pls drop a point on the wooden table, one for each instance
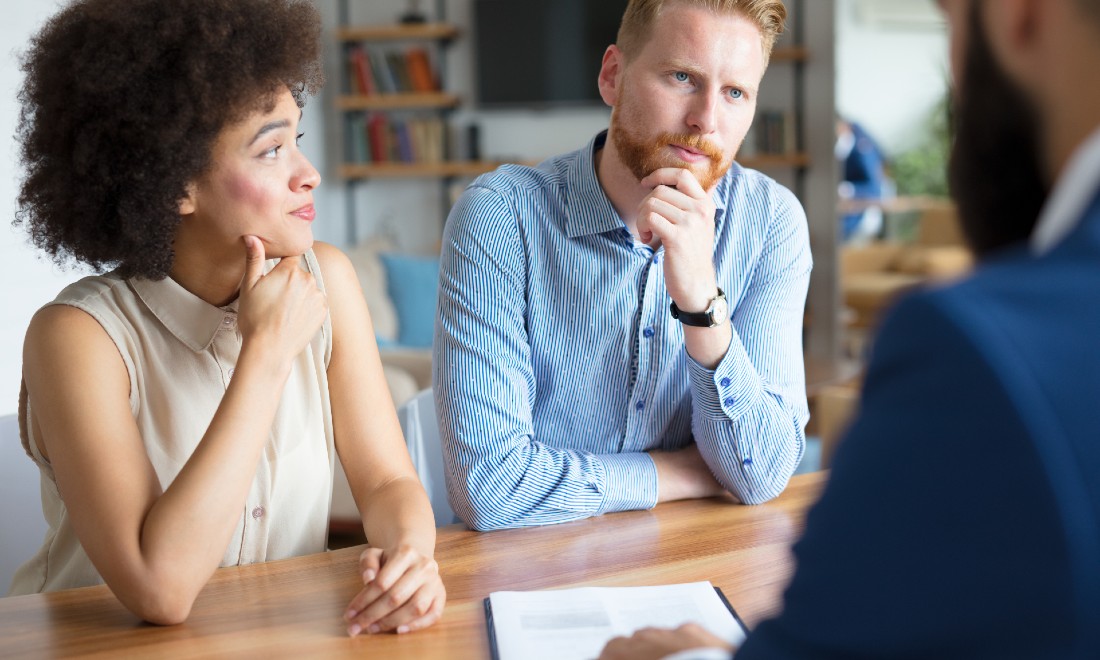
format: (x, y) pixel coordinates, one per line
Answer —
(293, 607)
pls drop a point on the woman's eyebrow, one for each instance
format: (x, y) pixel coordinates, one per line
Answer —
(271, 126)
(267, 128)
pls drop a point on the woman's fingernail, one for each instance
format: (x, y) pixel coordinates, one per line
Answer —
(354, 630)
(349, 615)
(368, 575)
(401, 630)
(374, 627)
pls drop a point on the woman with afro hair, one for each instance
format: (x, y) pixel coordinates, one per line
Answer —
(187, 406)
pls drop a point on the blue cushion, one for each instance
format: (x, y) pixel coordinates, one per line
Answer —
(412, 282)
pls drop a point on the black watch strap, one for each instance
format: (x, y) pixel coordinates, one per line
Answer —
(704, 319)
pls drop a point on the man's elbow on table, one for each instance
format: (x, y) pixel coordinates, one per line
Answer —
(481, 506)
(757, 488)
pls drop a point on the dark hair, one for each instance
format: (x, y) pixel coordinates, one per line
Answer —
(995, 170)
(122, 104)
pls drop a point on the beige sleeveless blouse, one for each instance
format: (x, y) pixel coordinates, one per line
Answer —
(180, 353)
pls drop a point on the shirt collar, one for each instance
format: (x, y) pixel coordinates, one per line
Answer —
(589, 211)
(189, 318)
(1072, 194)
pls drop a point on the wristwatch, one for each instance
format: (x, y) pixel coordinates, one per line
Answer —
(717, 313)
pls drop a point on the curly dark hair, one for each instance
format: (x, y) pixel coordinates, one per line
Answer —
(122, 104)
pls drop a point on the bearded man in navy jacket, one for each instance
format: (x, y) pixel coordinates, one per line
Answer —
(962, 516)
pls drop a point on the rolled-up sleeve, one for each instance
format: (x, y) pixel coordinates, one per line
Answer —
(749, 414)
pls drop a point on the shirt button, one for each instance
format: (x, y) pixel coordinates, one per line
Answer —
(647, 333)
(229, 321)
(258, 512)
(725, 382)
(728, 401)
(640, 405)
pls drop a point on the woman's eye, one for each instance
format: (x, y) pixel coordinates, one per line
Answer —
(680, 76)
(298, 138)
(273, 152)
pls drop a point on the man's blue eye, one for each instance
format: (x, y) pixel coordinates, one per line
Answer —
(736, 93)
(681, 76)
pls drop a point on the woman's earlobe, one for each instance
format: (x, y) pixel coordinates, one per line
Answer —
(187, 203)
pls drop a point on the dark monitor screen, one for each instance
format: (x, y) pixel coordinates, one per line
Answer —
(542, 52)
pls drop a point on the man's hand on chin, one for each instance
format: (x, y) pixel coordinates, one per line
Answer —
(680, 214)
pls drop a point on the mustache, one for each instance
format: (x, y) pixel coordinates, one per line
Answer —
(693, 142)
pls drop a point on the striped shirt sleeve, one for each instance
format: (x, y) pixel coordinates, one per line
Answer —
(750, 427)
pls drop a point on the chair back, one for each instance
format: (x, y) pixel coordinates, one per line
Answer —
(421, 429)
(22, 527)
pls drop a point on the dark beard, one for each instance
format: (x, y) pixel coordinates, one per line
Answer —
(995, 171)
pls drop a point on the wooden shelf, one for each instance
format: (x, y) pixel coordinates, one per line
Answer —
(416, 170)
(766, 161)
(791, 54)
(397, 32)
(402, 101)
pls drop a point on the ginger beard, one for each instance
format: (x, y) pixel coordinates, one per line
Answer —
(643, 155)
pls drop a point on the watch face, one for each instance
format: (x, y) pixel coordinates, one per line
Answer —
(719, 311)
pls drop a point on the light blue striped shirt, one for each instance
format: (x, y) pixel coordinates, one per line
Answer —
(557, 365)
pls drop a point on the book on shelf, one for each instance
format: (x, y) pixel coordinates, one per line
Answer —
(362, 76)
(377, 132)
(378, 137)
(395, 60)
(575, 624)
(358, 145)
(379, 71)
(774, 132)
(420, 70)
(403, 142)
(383, 75)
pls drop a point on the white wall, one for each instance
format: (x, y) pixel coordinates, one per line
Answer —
(26, 281)
(891, 61)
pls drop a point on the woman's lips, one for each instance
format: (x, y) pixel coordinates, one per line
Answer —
(307, 213)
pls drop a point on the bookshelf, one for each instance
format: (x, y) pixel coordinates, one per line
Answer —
(398, 101)
(775, 141)
(444, 169)
(394, 123)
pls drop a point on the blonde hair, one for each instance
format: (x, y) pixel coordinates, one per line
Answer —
(768, 15)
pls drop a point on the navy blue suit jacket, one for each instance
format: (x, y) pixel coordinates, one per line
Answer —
(962, 515)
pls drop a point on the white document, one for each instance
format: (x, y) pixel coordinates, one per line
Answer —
(575, 624)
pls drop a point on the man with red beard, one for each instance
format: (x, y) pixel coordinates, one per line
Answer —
(962, 517)
(621, 325)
